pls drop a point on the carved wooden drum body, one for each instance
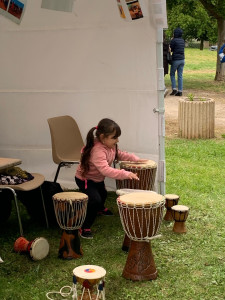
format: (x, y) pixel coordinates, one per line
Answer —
(180, 214)
(70, 211)
(171, 200)
(141, 216)
(121, 192)
(146, 173)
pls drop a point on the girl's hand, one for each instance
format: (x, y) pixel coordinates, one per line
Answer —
(133, 176)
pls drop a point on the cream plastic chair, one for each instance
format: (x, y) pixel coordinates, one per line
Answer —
(66, 141)
(27, 186)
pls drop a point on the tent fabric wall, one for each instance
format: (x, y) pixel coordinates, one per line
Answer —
(89, 64)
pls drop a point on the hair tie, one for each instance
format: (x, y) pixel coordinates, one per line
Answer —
(96, 127)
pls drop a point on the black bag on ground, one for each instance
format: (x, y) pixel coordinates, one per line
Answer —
(33, 203)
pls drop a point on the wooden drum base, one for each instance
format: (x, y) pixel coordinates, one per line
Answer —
(140, 264)
(70, 247)
(126, 243)
(179, 227)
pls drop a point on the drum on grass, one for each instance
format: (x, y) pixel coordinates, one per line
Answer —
(141, 216)
(180, 214)
(171, 200)
(121, 192)
(37, 249)
(70, 211)
(92, 280)
(146, 173)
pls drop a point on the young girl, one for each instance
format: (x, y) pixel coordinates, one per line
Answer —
(96, 160)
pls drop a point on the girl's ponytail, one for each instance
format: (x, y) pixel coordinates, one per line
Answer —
(85, 156)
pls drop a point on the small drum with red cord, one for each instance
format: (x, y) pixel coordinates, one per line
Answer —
(92, 279)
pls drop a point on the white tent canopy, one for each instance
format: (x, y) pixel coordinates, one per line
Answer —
(88, 64)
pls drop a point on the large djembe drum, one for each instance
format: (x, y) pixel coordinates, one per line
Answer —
(121, 192)
(141, 216)
(146, 172)
(70, 211)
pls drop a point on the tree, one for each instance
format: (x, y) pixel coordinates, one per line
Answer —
(192, 17)
(216, 8)
(194, 20)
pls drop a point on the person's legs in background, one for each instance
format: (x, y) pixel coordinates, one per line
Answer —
(180, 78)
(173, 69)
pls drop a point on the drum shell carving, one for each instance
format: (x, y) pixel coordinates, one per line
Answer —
(146, 175)
(139, 221)
(179, 216)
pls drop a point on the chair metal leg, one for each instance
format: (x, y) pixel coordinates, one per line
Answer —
(57, 172)
(17, 207)
(64, 164)
(43, 203)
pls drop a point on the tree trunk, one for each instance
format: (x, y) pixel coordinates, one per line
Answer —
(201, 44)
(220, 68)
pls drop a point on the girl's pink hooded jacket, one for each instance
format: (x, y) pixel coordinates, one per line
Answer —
(100, 163)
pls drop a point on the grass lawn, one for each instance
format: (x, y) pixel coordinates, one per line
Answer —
(199, 71)
(190, 266)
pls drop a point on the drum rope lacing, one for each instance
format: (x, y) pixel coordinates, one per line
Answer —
(148, 217)
(146, 175)
(72, 290)
(70, 214)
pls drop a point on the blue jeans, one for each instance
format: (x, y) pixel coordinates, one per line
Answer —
(177, 65)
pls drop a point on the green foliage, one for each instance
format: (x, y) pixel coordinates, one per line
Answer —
(190, 97)
(193, 18)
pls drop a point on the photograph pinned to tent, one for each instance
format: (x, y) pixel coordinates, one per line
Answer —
(13, 9)
(131, 9)
(59, 5)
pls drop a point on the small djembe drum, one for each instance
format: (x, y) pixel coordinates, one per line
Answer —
(141, 216)
(37, 249)
(171, 200)
(92, 280)
(121, 192)
(146, 173)
(70, 211)
(180, 214)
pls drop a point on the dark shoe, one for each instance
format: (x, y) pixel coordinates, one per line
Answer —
(86, 234)
(105, 212)
(173, 92)
(178, 94)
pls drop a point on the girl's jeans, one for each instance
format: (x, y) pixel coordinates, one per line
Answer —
(177, 65)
